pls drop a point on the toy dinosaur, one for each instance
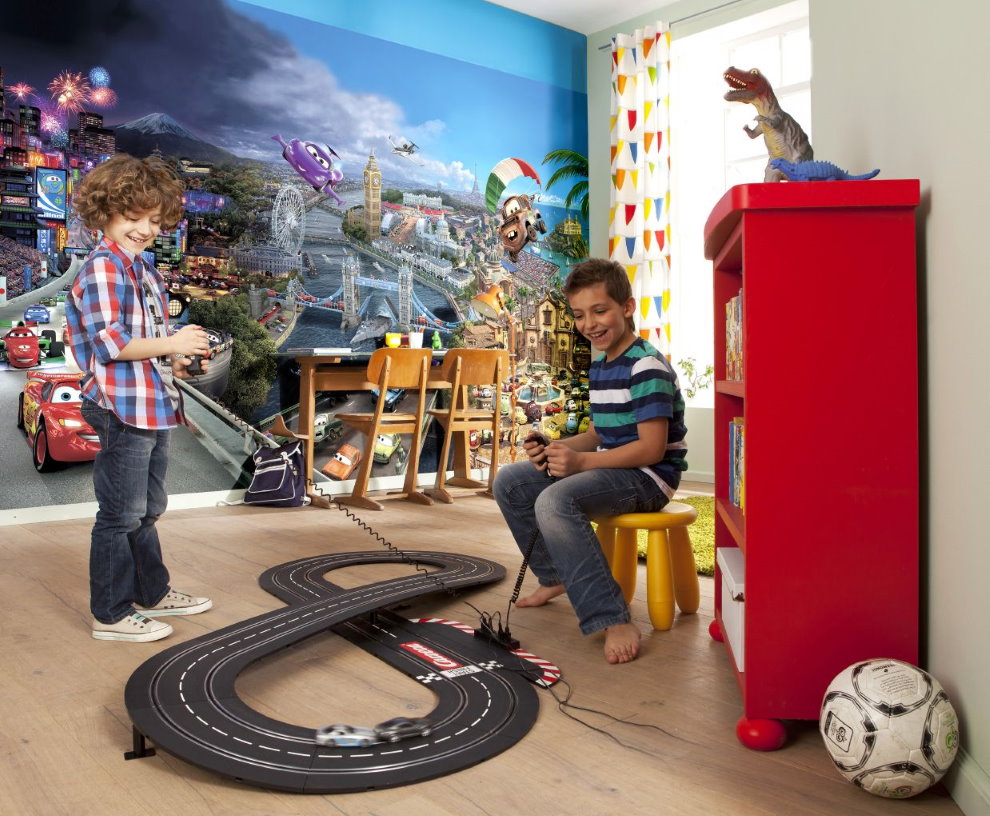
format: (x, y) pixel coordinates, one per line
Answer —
(781, 134)
(815, 171)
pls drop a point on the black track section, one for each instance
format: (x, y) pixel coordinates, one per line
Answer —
(184, 700)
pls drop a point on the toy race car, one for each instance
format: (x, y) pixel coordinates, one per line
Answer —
(345, 736)
(342, 465)
(21, 347)
(36, 313)
(402, 727)
(49, 411)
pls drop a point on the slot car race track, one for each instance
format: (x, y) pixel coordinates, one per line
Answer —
(184, 700)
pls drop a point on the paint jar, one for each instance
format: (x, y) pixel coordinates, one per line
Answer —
(393, 339)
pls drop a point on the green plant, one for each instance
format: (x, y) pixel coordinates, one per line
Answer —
(697, 379)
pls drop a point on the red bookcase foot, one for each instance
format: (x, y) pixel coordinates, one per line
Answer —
(761, 735)
(716, 631)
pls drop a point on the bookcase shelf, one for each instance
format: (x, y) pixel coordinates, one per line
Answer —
(824, 559)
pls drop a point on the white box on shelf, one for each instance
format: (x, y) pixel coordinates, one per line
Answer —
(732, 565)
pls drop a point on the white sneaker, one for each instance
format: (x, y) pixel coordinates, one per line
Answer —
(135, 627)
(176, 603)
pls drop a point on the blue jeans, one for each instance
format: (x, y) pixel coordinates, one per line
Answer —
(125, 557)
(566, 550)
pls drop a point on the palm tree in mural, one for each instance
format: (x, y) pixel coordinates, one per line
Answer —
(572, 165)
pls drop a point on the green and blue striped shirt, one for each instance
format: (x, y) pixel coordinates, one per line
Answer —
(639, 385)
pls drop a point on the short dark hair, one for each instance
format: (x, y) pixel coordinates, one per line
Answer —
(599, 270)
(125, 184)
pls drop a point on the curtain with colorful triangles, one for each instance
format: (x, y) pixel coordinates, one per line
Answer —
(639, 227)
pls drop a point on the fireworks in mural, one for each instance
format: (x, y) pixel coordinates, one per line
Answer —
(70, 91)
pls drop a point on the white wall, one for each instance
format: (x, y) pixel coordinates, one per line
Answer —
(897, 88)
(900, 85)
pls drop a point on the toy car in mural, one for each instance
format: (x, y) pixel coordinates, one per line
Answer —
(521, 222)
(385, 447)
(49, 409)
(37, 313)
(314, 163)
(22, 347)
(343, 462)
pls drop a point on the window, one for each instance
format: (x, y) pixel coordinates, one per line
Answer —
(710, 152)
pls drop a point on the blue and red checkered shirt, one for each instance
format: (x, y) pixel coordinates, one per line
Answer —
(105, 310)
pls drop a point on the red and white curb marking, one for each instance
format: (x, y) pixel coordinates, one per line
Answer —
(550, 673)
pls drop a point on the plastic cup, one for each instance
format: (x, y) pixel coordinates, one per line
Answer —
(415, 339)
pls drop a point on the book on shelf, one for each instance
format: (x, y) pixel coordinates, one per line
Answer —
(737, 462)
(734, 338)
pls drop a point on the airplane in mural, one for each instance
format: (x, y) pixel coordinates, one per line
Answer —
(406, 148)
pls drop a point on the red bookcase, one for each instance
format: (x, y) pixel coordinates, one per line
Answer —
(821, 568)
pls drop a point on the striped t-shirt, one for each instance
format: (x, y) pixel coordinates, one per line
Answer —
(636, 386)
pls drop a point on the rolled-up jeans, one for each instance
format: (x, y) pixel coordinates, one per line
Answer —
(125, 556)
(566, 550)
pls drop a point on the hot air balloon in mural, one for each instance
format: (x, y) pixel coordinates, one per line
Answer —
(521, 221)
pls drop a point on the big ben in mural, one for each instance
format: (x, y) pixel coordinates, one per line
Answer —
(372, 198)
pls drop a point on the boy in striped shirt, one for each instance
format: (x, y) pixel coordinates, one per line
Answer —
(629, 460)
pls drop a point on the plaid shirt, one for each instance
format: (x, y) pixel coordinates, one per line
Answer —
(105, 310)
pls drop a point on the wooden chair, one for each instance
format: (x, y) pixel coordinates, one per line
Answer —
(670, 569)
(464, 368)
(392, 368)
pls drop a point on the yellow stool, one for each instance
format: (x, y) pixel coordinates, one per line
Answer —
(670, 568)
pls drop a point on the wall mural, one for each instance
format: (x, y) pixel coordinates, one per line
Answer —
(340, 188)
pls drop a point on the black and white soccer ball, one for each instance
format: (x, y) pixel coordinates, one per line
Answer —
(889, 727)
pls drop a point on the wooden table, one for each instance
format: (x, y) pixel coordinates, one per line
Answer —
(348, 372)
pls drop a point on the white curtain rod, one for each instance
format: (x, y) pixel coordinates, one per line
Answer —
(688, 17)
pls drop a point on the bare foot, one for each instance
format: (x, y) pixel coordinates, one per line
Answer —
(541, 596)
(621, 643)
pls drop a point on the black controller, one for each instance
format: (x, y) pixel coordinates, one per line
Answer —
(195, 367)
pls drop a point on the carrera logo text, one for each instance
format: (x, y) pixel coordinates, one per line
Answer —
(430, 655)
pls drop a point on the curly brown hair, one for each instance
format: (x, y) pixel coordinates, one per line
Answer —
(125, 184)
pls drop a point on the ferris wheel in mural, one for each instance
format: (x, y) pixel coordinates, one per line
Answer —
(289, 220)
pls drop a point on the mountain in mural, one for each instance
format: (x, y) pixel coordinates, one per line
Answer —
(140, 137)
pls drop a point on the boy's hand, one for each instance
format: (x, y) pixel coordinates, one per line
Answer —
(190, 340)
(562, 460)
(180, 364)
(535, 445)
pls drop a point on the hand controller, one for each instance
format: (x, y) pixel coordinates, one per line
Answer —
(195, 367)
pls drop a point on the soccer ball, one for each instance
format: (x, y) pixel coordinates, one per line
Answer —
(889, 727)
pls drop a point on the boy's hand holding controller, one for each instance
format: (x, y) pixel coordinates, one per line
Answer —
(189, 345)
(535, 445)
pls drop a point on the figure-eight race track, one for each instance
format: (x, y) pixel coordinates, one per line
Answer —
(184, 699)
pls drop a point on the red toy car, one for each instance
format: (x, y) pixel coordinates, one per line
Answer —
(49, 410)
(21, 347)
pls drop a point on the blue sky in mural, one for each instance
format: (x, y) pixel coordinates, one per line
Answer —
(234, 74)
(353, 91)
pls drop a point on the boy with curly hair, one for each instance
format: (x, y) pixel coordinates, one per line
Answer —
(629, 460)
(117, 318)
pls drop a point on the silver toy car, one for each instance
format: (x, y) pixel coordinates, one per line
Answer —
(345, 736)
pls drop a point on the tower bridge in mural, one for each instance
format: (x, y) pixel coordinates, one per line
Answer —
(407, 309)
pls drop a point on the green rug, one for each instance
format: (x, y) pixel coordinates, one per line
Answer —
(702, 534)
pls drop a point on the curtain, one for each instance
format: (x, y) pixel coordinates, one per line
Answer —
(639, 223)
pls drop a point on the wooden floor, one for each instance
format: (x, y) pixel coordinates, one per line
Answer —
(65, 728)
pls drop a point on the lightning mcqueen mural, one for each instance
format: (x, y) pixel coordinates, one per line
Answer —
(49, 411)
